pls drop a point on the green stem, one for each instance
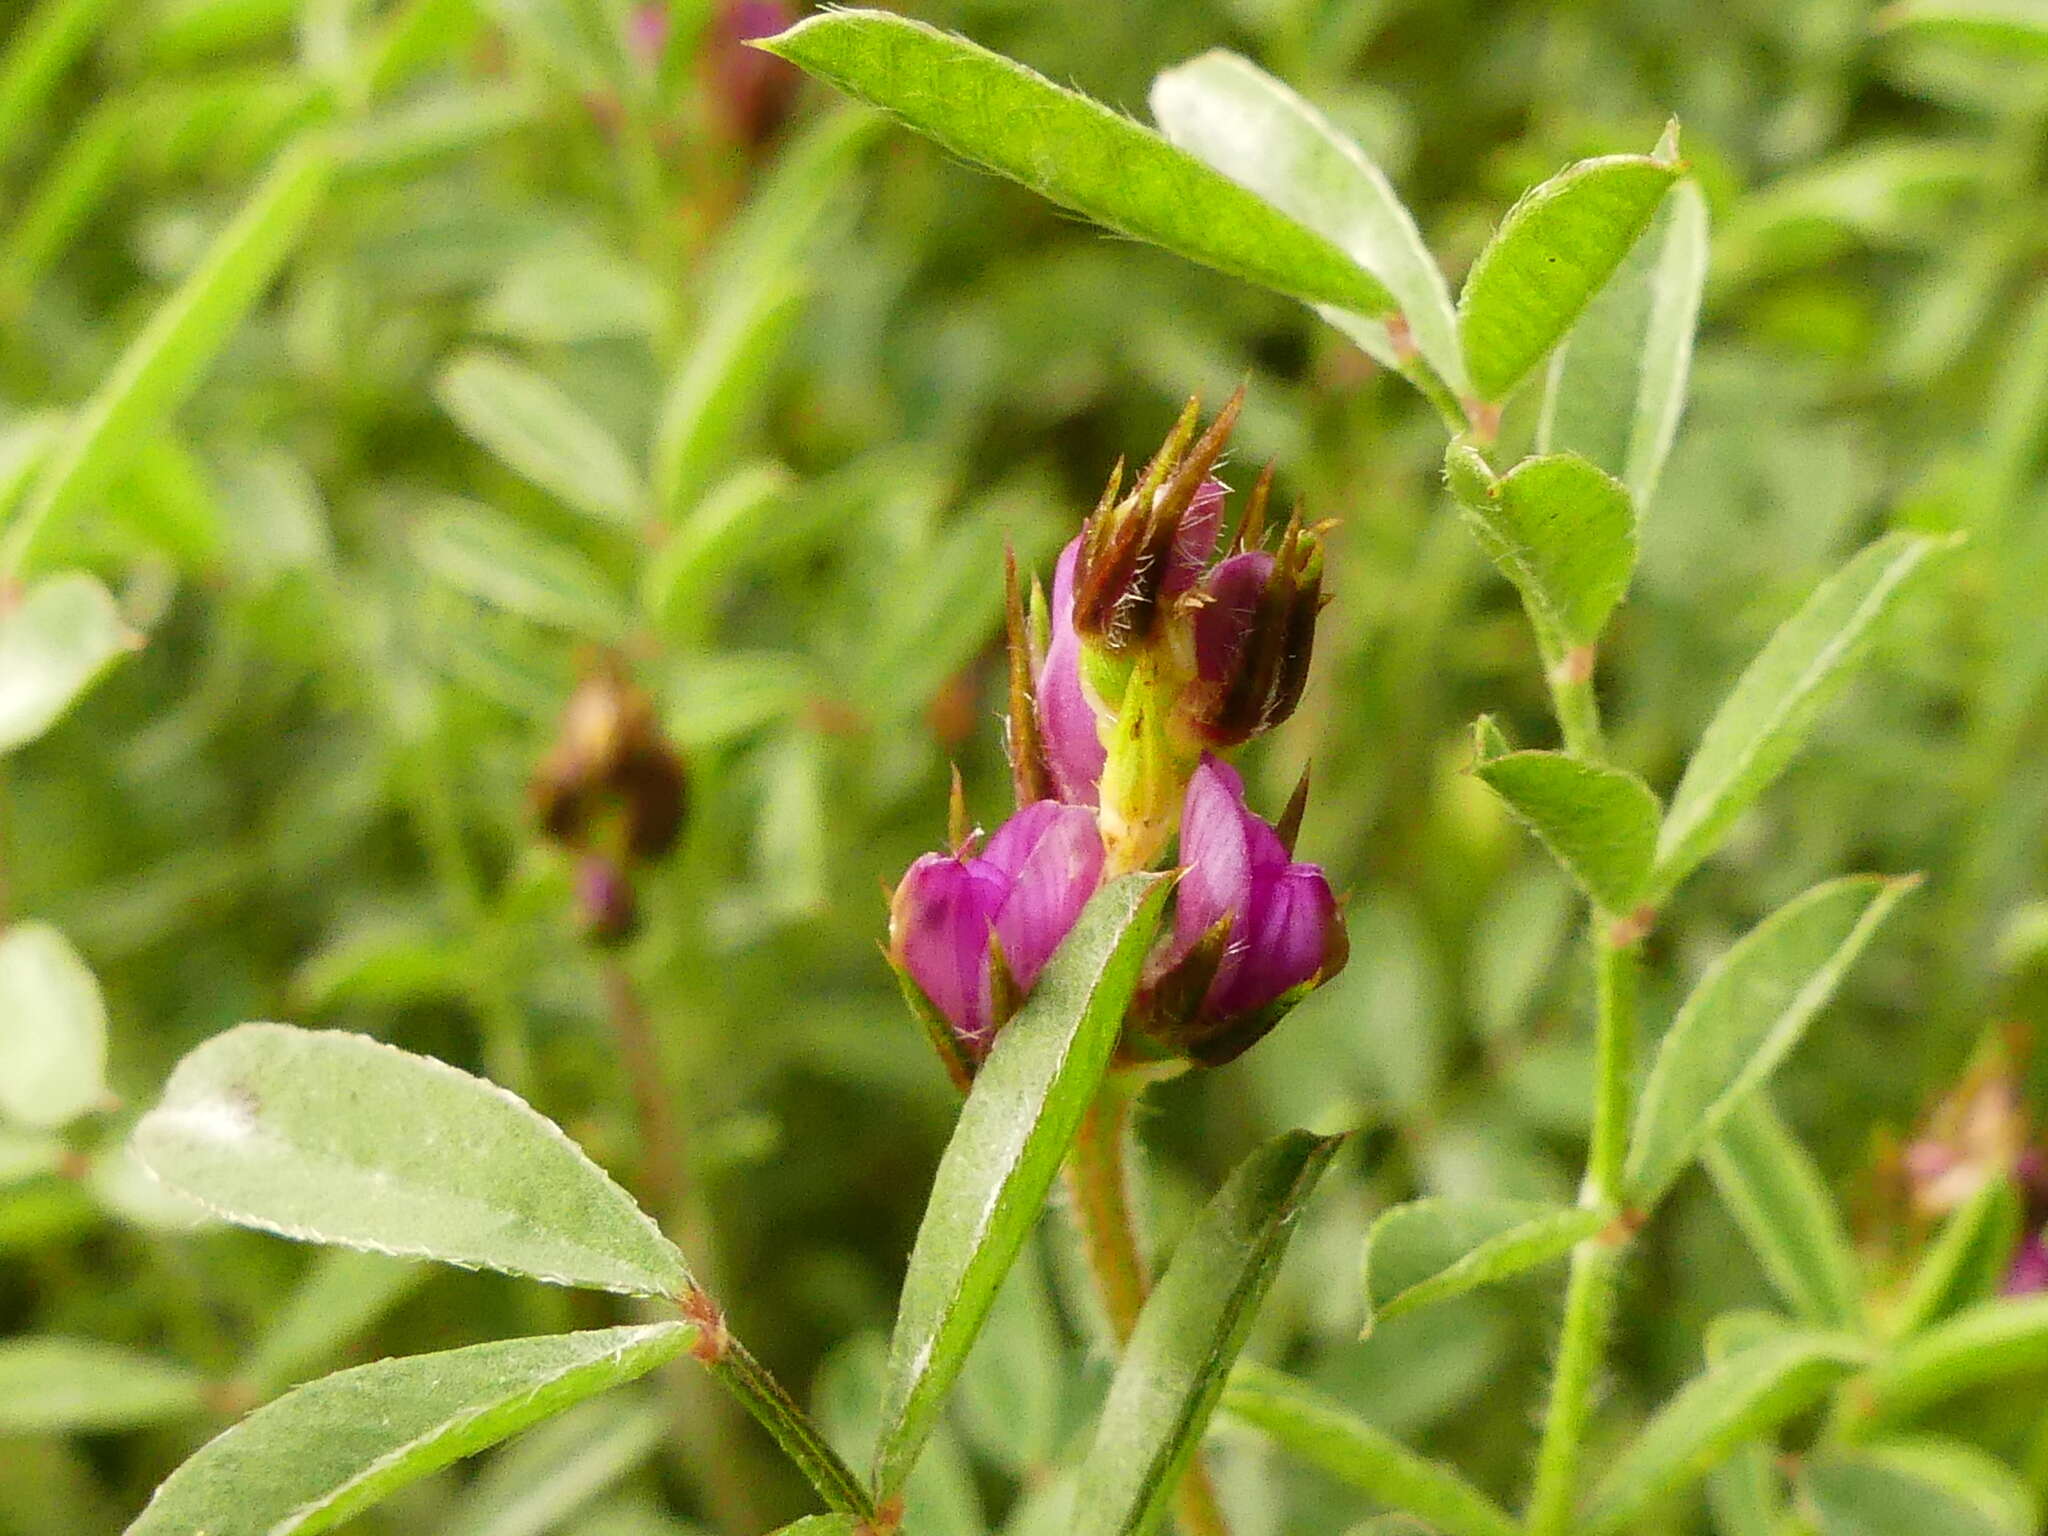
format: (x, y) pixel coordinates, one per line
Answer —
(1596, 1262)
(1432, 389)
(747, 1379)
(1098, 1174)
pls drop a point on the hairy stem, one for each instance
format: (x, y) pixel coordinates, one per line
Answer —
(1098, 1174)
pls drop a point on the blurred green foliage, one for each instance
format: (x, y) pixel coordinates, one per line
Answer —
(553, 358)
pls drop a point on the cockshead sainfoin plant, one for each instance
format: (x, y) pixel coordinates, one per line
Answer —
(1136, 914)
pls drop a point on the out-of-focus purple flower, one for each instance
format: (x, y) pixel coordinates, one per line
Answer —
(2028, 1272)
(752, 90)
(647, 32)
(1066, 719)
(1252, 929)
(1024, 890)
(606, 907)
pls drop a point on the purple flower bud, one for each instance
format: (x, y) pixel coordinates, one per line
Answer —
(2028, 1273)
(1024, 889)
(1066, 718)
(605, 904)
(647, 32)
(1263, 929)
(1253, 635)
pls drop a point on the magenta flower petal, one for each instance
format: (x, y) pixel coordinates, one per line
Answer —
(1287, 930)
(1215, 852)
(939, 923)
(2028, 1274)
(1066, 720)
(1232, 591)
(1051, 883)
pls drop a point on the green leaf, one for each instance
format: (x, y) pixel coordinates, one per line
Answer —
(53, 645)
(2015, 27)
(53, 1029)
(1966, 1262)
(527, 422)
(1231, 114)
(39, 50)
(744, 517)
(336, 1138)
(336, 1446)
(1560, 529)
(1747, 1012)
(26, 1155)
(180, 341)
(1916, 1487)
(1189, 1334)
(342, 1293)
(1426, 1250)
(1767, 717)
(502, 562)
(1746, 1493)
(723, 374)
(1013, 1133)
(1074, 151)
(1740, 1398)
(1599, 822)
(823, 1525)
(537, 1484)
(1616, 386)
(1988, 1342)
(71, 1386)
(1325, 1434)
(1794, 1227)
(1551, 254)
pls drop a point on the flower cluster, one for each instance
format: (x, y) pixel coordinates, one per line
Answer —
(1152, 656)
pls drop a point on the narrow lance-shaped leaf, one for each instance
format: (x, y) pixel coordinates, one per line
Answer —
(1772, 708)
(1014, 1131)
(1428, 1250)
(1616, 386)
(1188, 1337)
(726, 367)
(526, 421)
(1917, 1487)
(1074, 151)
(334, 1447)
(1599, 822)
(1966, 1262)
(1747, 1012)
(1737, 1399)
(1794, 1227)
(53, 645)
(73, 1386)
(504, 563)
(1251, 127)
(336, 1138)
(53, 1029)
(1546, 261)
(1325, 1434)
(169, 357)
(2018, 28)
(1986, 1343)
(1745, 1492)
(1560, 529)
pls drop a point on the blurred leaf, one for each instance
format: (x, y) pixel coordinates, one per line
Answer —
(720, 378)
(1794, 1227)
(1915, 1488)
(1324, 1434)
(1967, 1261)
(574, 291)
(336, 1446)
(1073, 151)
(41, 48)
(1767, 716)
(1230, 113)
(1744, 1396)
(1011, 1389)
(180, 341)
(72, 1386)
(53, 1029)
(500, 561)
(1519, 938)
(1745, 1492)
(79, 179)
(717, 698)
(1426, 1250)
(823, 1525)
(1600, 823)
(1194, 1323)
(53, 644)
(812, 174)
(1617, 383)
(532, 1487)
(1013, 1133)
(1744, 1016)
(1993, 1340)
(28, 1155)
(1561, 530)
(2015, 27)
(743, 518)
(336, 1138)
(940, 1497)
(341, 1293)
(535, 429)
(1551, 254)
